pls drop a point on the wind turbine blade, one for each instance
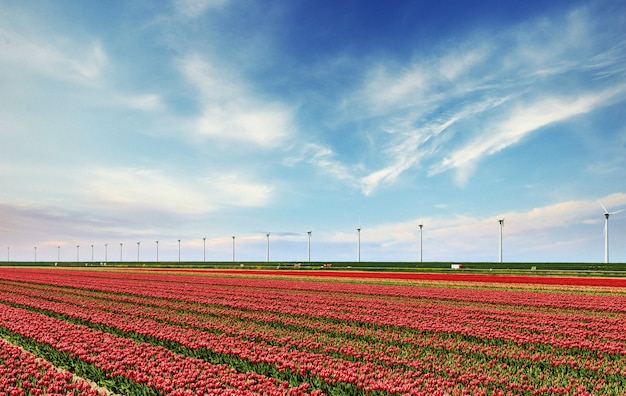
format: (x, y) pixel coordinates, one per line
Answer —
(617, 211)
(605, 211)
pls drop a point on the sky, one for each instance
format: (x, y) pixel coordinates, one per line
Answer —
(123, 123)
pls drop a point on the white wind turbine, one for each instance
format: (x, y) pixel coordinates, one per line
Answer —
(501, 221)
(606, 231)
(421, 226)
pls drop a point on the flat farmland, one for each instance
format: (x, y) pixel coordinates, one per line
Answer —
(187, 332)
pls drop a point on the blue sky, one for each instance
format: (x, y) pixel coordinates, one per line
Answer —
(126, 122)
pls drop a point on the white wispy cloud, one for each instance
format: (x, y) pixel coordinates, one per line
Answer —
(231, 111)
(147, 102)
(144, 189)
(32, 55)
(196, 8)
(37, 219)
(53, 56)
(520, 122)
(425, 82)
(232, 189)
(531, 74)
(140, 189)
(410, 143)
(609, 63)
(326, 160)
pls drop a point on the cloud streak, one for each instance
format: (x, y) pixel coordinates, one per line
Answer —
(521, 122)
(195, 8)
(137, 189)
(231, 112)
(488, 92)
(84, 65)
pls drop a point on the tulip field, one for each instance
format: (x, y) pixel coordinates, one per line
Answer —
(203, 332)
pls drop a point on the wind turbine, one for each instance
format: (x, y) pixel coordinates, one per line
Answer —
(358, 250)
(233, 248)
(606, 231)
(501, 221)
(309, 245)
(421, 225)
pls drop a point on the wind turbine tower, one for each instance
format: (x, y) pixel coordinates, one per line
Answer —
(309, 245)
(501, 221)
(358, 249)
(421, 226)
(606, 231)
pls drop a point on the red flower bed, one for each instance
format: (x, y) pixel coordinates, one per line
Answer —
(535, 280)
(435, 338)
(22, 373)
(154, 366)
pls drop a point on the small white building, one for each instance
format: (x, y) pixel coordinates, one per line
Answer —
(456, 266)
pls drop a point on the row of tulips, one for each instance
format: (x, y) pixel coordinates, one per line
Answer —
(429, 277)
(501, 321)
(172, 283)
(262, 325)
(447, 376)
(22, 373)
(155, 367)
(364, 375)
(248, 298)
